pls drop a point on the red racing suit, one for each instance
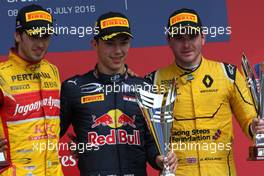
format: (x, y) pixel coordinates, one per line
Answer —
(29, 114)
(202, 133)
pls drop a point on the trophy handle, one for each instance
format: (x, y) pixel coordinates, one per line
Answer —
(261, 90)
(251, 81)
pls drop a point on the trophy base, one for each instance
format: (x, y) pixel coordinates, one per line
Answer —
(256, 153)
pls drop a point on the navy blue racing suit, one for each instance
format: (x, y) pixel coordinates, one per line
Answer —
(108, 123)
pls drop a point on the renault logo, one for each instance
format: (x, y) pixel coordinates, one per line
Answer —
(208, 81)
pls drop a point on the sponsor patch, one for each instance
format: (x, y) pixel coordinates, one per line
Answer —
(119, 136)
(183, 17)
(114, 22)
(129, 98)
(30, 167)
(114, 118)
(191, 160)
(30, 76)
(91, 87)
(217, 134)
(38, 15)
(208, 81)
(20, 87)
(26, 109)
(92, 98)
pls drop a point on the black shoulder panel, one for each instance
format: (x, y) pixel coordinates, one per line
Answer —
(230, 71)
(151, 77)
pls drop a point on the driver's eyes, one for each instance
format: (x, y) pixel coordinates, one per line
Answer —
(109, 43)
(124, 42)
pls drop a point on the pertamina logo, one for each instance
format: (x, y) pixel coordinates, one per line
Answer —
(114, 119)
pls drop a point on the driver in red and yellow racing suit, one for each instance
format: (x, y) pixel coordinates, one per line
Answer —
(30, 101)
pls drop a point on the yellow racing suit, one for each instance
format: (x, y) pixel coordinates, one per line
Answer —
(30, 117)
(202, 133)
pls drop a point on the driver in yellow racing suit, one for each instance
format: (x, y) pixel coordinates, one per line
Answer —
(208, 94)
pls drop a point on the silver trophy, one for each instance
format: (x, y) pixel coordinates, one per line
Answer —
(256, 87)
(157, 110)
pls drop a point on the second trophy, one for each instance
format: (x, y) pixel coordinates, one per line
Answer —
(256, 86)
(157, 110)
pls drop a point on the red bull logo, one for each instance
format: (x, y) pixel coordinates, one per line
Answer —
(126, 120)
(104, 120)
(114, 119)
(115, 137)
